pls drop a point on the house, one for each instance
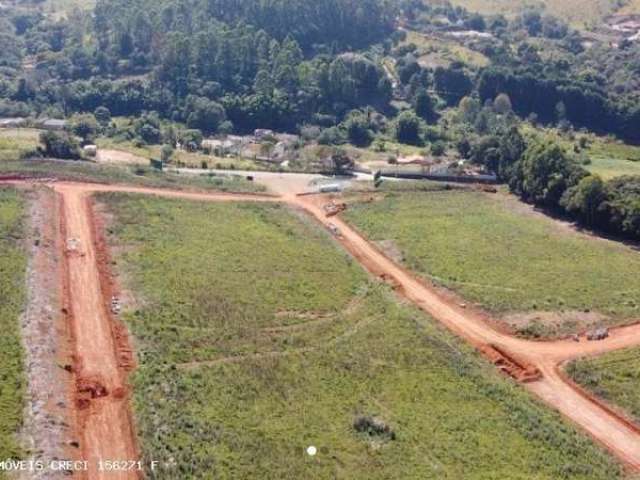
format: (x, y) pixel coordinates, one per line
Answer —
(13, 122)
(261, 133)
(53, 124)
(230, 145)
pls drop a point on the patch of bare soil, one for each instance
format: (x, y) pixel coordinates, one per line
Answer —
(391, 250)
(550, 321)
(49, 430)
(120, 157)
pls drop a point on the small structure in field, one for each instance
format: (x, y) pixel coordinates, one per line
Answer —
(13, 122)
(598, 335)
(53, 124)
(90, 150)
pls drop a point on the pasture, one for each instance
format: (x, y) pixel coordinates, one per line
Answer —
(578, 13)
(537, 274)
(614, 377)
(257, 338)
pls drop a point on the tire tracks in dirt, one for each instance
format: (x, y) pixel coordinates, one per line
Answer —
(108, 430)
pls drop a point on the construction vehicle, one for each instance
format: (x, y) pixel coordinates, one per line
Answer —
(332, 209)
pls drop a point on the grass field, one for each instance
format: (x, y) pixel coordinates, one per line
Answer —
(611, 159)
(12, 295)
(579, 13)
(144, 176)
(495, 252)
(183, 158)
(316, 345)
(434, 52)
(16, 141)
(613, 377)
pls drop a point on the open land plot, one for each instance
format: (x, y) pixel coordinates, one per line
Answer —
(611, 159)
(540, 275)
(614, 377)
(578, 13)
(12, 296)
(82, 171)
(14, 142)
(257, 338)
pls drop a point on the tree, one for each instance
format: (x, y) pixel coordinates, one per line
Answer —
(358, 132)
(84, 126)
(204, 114)
(166, 153)
(502, 104)
(408, 128)
(424, 106)
(545, 173)
(60, 145)
(586, 199)
(102, 115)
(147, 128)
(341, 161)
(438, 148)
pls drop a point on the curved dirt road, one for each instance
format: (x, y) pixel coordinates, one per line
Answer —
(108, 431)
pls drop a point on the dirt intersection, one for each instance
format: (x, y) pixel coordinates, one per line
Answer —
(103, 357)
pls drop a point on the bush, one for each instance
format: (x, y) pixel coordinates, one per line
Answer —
(60, 145)
(373, 427)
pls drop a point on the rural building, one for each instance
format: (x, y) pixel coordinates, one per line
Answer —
(53, 124)
(90, 150)
(261, 133)
(231, 145)
(13, 122)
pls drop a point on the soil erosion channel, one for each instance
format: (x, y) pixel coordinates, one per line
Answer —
(107, 427)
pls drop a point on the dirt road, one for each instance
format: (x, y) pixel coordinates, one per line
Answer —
(605, 426)
(108, 431)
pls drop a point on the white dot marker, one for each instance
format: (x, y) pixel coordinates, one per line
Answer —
(311, 451)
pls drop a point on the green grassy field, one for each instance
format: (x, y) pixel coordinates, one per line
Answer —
(434, 52)
(16, 141)
(300, 343)
(579, 13)
(493, 251)
(611, 159)
(613, 377)
(12, 295)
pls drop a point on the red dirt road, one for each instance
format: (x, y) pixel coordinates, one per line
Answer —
(105, 421)
(107, 430)
(614, 432)
(109, 433)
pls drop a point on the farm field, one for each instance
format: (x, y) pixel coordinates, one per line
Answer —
(258, 338)
(579, 13)
(12, 295)
(612, 377)
(540, 276)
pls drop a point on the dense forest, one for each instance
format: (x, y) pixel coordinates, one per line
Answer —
(336, 72)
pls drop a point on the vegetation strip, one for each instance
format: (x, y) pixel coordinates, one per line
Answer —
(12, 292)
